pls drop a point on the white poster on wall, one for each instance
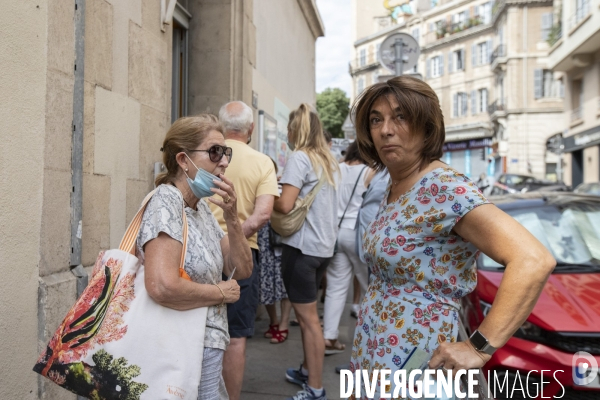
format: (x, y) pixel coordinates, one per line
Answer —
(282, 113)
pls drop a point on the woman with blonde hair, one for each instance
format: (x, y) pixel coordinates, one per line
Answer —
(307, 252)
(196, 157)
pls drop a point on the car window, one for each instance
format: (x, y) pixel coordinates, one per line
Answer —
(571, 234)
(514, 180)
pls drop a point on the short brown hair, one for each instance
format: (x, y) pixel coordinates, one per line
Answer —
(185, 134)
(422, 112)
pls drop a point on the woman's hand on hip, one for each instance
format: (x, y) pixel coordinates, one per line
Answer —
(229, 200)
(456, 356)
(231, 290)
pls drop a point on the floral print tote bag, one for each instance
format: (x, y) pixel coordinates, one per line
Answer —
(117, 343)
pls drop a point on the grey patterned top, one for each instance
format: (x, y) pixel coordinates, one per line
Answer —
(203, 260)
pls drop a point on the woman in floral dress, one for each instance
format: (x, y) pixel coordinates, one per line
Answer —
(423, 242)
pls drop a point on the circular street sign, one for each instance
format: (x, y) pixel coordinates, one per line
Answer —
(410, 51)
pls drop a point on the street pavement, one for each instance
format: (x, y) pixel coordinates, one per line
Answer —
(266, 363)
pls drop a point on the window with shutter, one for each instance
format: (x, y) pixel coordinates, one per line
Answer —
(473, 102)
(537, 83)
(486, 12)
(441, 60)
(488, 52)
(483, 100)
(180, 80)
(546, 25)
(428, 68)
(455, 105)
(464, 104)
(450, 63)
(415, 34)
(548, 83)
(461, 59)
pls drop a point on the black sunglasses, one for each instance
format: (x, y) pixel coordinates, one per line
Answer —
(216, 153)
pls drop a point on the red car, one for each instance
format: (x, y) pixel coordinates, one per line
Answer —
(566, 318)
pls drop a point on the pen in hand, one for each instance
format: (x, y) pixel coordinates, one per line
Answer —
(231, 275)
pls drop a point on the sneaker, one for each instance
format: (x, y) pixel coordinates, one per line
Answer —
(307, 394)
(296, 376)
(341, 367)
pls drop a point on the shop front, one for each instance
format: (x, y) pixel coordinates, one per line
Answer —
(584, 148)
(470, 157)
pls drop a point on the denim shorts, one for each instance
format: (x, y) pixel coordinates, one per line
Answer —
(242, 313)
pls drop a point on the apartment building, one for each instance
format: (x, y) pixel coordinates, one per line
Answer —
(456, 49)
(575, 52)
(489, 76)
(527, 104)
(90, 88)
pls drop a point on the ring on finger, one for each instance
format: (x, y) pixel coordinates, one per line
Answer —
(227, 199)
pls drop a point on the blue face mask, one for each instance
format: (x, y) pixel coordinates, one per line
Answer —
(203, 182)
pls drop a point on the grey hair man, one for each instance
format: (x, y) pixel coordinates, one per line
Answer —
(255, 182)
(238, 120)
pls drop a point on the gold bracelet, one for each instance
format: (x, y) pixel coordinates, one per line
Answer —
(221, 290)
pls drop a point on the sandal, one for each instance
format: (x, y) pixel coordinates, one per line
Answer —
(335, 349)
(278, 337)
(273, 329)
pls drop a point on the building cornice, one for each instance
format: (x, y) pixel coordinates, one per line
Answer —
(466, 127)
(312, 17)
(434, 12)
(501, 6)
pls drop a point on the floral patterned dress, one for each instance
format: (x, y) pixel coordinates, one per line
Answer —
(272, 289)
(420, 270)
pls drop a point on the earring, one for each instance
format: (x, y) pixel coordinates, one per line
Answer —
(186, 170)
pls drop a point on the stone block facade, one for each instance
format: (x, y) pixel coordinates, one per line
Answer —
(127, 102)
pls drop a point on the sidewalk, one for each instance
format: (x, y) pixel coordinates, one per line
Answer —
(264, 378)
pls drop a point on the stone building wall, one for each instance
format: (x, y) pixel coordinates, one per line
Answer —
(126, 113)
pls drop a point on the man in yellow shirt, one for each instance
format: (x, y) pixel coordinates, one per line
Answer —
(253, 176)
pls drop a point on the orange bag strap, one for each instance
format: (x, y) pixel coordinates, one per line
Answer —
(133, 230)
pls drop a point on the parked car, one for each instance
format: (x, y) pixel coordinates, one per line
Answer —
(588, 188)
(527, 183)
(499, 189)
(566, 318)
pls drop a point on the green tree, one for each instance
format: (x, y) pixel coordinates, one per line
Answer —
(332, 105)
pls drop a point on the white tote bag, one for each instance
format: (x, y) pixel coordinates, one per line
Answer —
(118, 343)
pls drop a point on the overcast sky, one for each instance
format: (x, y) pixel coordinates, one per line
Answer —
(333, 50)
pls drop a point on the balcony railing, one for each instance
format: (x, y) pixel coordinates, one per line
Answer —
(497, 105)
(497, 6)
(582, 11)
(444, 29)
(576, 114)
(555, 34)
(499, 52)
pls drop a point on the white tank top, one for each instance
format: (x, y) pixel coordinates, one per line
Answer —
(350, 174)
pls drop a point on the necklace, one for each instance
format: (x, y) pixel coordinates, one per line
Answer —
(409, 175)
(184, 200)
